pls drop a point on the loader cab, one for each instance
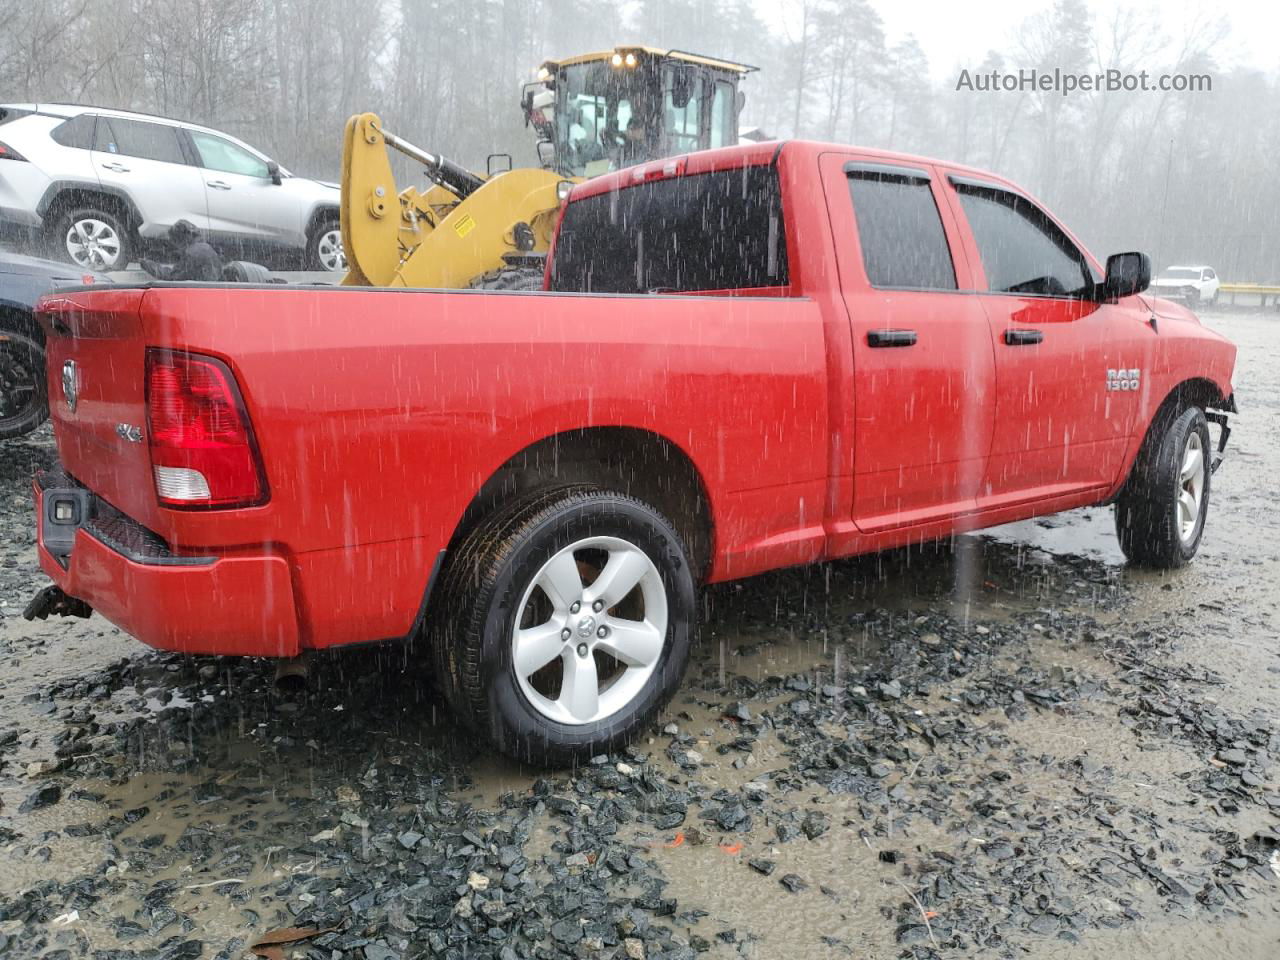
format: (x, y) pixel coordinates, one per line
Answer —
(609, 110)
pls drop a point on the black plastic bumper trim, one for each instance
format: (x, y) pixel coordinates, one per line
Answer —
(120, 533)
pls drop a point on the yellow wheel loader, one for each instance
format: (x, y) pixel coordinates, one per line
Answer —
(592, 113)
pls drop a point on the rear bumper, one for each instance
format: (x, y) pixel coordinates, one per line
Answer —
(238, 605)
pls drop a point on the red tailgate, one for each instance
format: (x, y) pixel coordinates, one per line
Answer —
(96, 355)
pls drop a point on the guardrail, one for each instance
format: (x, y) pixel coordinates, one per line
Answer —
(1261, 290)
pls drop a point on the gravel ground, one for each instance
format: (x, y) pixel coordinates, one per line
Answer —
(1009, 745)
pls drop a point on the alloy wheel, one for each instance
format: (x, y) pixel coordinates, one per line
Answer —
(329, 251)
(590, 631)
(1191, 487)
(94, 244)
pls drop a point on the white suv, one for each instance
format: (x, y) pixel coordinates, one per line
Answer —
(98, 187)
(1192, 284)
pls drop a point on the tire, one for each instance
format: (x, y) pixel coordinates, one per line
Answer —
(494, 584)
(509, 278)
(24, 394)
(92, 236)
(324, 246)
(1155, 521)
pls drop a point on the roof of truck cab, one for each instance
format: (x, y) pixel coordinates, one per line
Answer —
(765, 152)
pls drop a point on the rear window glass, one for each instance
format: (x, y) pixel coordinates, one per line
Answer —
(709, 231)
(11, 113)
(76, 132)
(900, 232)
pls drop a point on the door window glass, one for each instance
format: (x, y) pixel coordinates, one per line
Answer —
(900, 231)
(681, 104)
(723, 120)
(1022, 250)
(218, 154)
(138, 138)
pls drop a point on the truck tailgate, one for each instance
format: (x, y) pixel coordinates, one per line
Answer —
(96, 352)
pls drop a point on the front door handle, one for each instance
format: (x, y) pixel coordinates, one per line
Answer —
(219, 185)
(891, 338)
(1023, 338)
(115, 167)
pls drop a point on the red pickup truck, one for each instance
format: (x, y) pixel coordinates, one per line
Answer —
(744, 359)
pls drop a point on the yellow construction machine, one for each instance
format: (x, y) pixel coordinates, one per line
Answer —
(592, 113)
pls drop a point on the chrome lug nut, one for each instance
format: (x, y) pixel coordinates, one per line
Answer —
(566, 633)
(575, 606)
(598, 606)
(582, 650)
(602, 632)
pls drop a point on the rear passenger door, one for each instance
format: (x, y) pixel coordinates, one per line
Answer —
(1061, 426)
(923, 370)
(146, 162)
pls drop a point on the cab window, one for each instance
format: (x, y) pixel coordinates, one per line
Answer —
(723, 116)
(900, 229)
(1023, 251)
(218, 154)
(681, 103)
(709, 231)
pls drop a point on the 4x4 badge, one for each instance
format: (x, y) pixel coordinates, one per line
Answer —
(71, 384)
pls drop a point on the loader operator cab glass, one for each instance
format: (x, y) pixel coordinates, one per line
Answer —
(608, 117)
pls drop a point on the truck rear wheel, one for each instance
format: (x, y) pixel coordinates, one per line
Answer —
(565, 624)
(1161, 513)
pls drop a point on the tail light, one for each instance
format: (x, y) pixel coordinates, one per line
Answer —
(8, 153)
(203, 452)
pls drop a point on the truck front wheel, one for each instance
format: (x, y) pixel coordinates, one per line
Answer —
(1161, 513)
(566, 624)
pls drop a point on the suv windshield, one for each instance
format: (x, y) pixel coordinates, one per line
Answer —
(1182, 273)
(710, 231)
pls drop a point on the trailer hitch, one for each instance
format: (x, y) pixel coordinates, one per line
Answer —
(52, 601)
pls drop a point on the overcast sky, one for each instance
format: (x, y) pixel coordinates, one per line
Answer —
(955, 34)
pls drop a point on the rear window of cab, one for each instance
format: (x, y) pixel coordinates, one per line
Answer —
(700, 232)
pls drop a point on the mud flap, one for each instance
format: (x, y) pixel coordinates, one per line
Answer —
(52, 601)
(1220, 454)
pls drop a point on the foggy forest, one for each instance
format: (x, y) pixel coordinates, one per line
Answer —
(1184, 176)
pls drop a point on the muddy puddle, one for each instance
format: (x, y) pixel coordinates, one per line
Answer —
(1007, 745)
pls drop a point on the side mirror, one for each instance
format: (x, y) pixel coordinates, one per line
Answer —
(273, 171)
(1127, 274)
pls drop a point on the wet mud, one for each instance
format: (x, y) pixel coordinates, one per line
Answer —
(1007, 745)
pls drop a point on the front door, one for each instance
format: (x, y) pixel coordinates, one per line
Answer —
(245, 204)
(1070, 369)
(922, 361)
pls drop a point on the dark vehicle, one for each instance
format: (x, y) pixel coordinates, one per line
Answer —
(23, 392)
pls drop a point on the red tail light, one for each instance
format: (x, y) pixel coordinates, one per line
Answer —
(203, 452)
(8, 153)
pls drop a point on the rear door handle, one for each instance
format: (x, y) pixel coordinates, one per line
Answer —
(891, 338)
(219, 185)
(115, 167)
(1023, 338)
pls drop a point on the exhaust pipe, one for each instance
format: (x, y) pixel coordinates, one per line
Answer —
(291, 674)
